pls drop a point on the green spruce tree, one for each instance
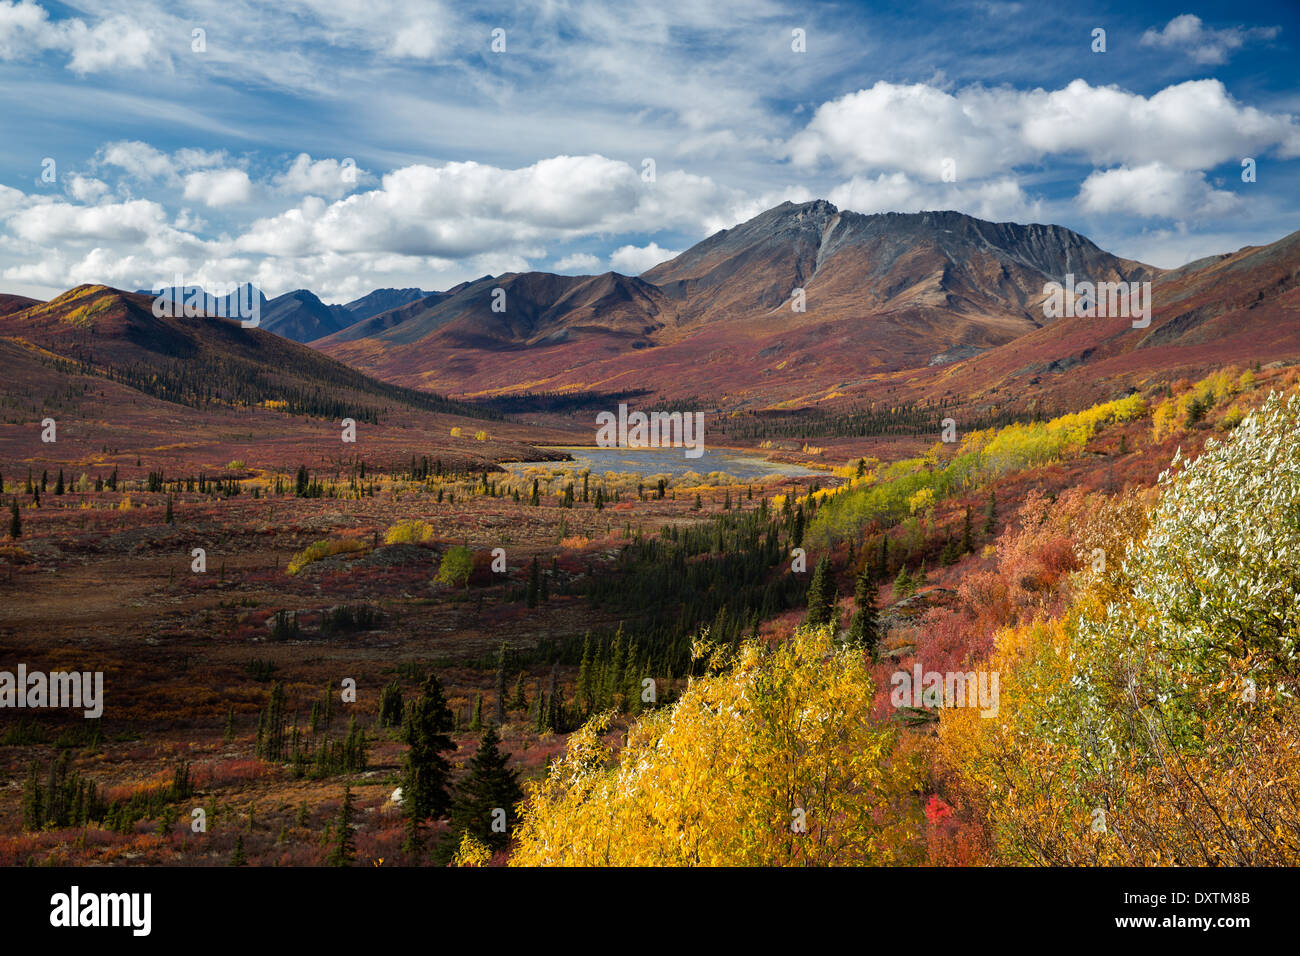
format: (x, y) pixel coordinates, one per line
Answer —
(486, 798)
(344, 847)
(822, 595)
(426, 770)
(864, 629)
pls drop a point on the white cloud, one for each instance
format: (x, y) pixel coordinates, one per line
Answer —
(465, 209)
(136, 221)
(86, 189)
(11, 200)
(219, 187)
(116, 41)
(911, 128)
(416, 39)
(1154, 190)
(137, 159)
(986, 132)
(580, 262)
(329, 178)
(997, 200)
(634, 260)
(1205, 45)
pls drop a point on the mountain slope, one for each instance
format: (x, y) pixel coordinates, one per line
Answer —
(884, 292)
(302, 317)
(381, 300)
(199, 361)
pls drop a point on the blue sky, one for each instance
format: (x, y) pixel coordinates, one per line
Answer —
(343, 146)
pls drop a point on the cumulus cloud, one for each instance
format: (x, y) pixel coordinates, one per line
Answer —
(330, 178)
(998, 200)
(634, 260)
(1204, 44)
(581, 262)
(1154, 190)
(137, 159)
(986, 132)
(143, 162)
(219, 187)
(116, 41)
(136, 220)
(86, 189)
(464, 209)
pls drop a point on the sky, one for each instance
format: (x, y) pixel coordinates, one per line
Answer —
(347, 145)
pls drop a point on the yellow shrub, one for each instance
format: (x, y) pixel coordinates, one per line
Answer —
(409, 532)
(774, 757)
(471, 852)
(323, 549)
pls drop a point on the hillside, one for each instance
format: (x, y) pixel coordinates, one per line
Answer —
(301, 316)
(118, 371)
(883, 293)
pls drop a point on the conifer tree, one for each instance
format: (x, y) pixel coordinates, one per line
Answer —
(426, 770)
(501, 686)
(904, 586)
(344, 846)
(519, 700)
(967, 542)
(614, 672)
(15, 522)
(390, 705)
(583, 692)
(822, 595)
(486, 798)
(991, 514)
(237, 858)
(864, 629)
(58, 484)
(476, 721)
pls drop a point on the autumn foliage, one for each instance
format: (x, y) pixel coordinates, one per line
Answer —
(772, 758)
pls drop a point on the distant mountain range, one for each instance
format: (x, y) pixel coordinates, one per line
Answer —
(808, 305)
(299, 315)
(195, 361)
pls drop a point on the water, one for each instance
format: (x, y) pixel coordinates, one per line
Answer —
(743, 466)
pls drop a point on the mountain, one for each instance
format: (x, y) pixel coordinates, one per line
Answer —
(886, 262)
(16, 303)
(302, 317)
(198, 360)
(180, 393)
(200, 300)
(381, 300)
(1231, 309)
(880, 293)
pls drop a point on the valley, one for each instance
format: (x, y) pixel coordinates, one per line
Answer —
(270, 543)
